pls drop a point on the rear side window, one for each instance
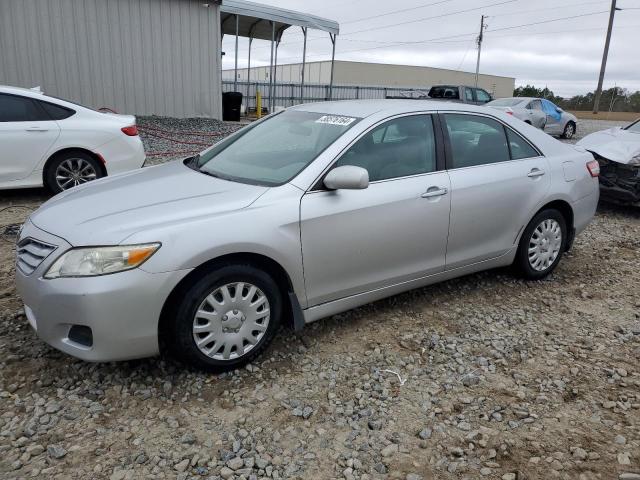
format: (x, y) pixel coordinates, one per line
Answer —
(468, 95)
(14, 108)
(519, 147)
(476, 140)
(56, 112)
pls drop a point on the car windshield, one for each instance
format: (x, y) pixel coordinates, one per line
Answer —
(274, 151)
(506, 102)
(634, 127)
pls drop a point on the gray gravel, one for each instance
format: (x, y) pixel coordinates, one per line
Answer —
(480, 377)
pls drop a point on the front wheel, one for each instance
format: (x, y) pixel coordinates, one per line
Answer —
(226, 318)
(569, 130)
(541, 245)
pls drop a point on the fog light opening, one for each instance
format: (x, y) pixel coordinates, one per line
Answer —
(81, 334)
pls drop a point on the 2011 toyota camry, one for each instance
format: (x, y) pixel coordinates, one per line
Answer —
(307, 213)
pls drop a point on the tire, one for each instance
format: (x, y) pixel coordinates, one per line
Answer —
(69, 169)
(219, 316)
(569, 130)
(545, 226)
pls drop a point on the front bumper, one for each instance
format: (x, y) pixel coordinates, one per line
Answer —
(122, 310)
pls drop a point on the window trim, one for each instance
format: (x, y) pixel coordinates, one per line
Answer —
(318, 184)
(449, 150)
(34, 102)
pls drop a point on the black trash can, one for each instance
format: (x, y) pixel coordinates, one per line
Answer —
(231, 102)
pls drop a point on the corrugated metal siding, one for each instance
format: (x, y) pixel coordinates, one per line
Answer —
(145, 57)
(376, 74)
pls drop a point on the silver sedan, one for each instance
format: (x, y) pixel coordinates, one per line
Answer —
(305, 214)
(540, 113)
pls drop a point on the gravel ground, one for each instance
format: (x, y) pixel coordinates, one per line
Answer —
(480, 377)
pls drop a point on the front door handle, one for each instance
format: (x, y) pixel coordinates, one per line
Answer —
(435, 192)
(535, 172)
(36, 129)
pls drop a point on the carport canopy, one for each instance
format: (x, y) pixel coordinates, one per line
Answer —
(264, 22)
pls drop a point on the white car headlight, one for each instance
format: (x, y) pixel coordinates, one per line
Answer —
(94, 261)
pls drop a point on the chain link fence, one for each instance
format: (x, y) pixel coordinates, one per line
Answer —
(289, 94)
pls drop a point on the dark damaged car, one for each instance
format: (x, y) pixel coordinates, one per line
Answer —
(618, 152)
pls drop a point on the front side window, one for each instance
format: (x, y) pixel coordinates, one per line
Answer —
(275, 150)
(14, 108)
(401, 147)
(519, 147)
(482, 96)
(476, 140)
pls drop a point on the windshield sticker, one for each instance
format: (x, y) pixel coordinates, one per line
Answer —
(336, 120)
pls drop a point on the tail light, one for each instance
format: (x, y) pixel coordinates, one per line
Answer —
(130, 131)
(594, 168)
(509, 112)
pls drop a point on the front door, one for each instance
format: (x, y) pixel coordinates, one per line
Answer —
(498, 180)
(354, 241)
(26, 135)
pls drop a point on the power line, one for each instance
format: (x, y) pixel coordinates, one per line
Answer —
(509, 14)
(547, 21)
(393, 12)
(504, 2)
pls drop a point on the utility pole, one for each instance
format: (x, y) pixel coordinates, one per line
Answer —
(596, 103)
(480, 38)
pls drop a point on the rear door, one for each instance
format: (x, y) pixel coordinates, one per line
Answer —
(537, 117)
(355, 241)
(27, 133)
(497, 181)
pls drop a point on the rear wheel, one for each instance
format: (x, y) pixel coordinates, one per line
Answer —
(569, 130)
(226, 318)
(70, 169)
(541, 245)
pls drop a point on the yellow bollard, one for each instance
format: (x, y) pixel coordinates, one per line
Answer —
(258, 104)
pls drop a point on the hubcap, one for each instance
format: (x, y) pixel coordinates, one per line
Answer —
(74, 171)
(545, 245)
(569, 131)
(231, 321)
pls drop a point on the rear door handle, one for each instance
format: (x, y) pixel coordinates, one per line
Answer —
(435, 192)
(37, 129)
(535, 172)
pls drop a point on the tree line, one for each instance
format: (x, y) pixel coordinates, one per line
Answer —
(615, 99)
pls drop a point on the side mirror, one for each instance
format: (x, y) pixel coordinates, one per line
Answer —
(348, 177)
(559, 110)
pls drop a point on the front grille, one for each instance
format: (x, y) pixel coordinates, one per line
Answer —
(31, 253)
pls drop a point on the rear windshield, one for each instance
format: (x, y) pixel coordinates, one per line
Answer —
(506, 102)
(634, 127)
(445, 92)
(274, 151)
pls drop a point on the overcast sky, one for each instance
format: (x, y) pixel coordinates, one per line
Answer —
(564, 55)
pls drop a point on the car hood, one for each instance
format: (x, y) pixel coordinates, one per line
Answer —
(107, 211)
(616, 144)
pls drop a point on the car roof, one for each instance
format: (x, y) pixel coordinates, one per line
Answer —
(366, 108)
(21, 91)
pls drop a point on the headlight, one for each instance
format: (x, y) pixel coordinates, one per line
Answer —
(94, 261)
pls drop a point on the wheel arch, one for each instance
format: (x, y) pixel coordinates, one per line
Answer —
(566, 210)
(52, 157)
(293, 315)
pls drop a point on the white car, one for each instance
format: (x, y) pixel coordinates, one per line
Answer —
(59, 144)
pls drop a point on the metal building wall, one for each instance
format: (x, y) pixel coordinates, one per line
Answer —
(378, 74)
(145, 57)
